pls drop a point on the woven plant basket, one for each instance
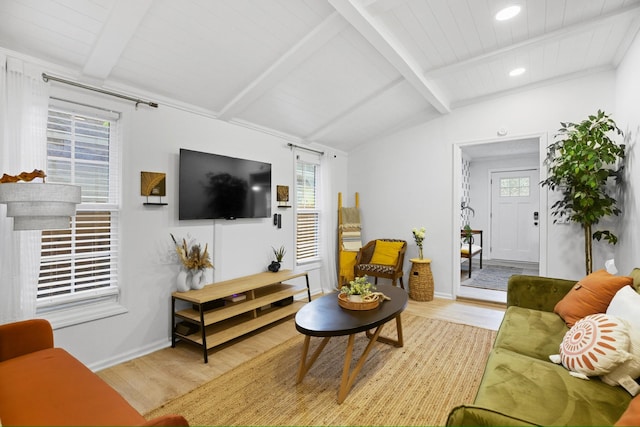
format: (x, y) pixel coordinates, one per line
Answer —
(343, 301)
(421, 282)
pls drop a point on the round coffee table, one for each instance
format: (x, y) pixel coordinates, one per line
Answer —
(323, 317)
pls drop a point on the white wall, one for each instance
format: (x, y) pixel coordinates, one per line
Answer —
(152, 139)
(627, 96)
(405, 180)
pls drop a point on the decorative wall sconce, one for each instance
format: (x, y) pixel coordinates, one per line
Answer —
(38, 206)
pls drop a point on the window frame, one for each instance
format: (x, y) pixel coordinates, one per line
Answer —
(91, 304)
(314, 160)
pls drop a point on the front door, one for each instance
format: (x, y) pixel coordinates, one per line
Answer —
(515, 208)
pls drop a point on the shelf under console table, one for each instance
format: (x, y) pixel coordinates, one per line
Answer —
(226, 310)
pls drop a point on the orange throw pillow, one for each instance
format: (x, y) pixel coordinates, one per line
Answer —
(631, 417)
(590, 295)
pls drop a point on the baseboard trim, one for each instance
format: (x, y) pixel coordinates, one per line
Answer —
(130, 355)
(443, 295)
(485, 299)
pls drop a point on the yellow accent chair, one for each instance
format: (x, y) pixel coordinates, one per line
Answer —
(382, 258)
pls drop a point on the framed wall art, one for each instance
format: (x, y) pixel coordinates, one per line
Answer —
(153, 184)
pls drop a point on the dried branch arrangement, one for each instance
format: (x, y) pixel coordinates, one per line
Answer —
(192, 258)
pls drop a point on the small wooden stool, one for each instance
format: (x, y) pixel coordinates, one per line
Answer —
(421, 280)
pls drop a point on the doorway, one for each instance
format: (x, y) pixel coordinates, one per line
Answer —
(513, 225)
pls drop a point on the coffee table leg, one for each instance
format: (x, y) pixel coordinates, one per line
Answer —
(400, 341)
(347, 377)
(304, 365)
(397, 342)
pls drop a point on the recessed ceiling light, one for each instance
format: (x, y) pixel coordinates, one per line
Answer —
(517, 71)
(508, 13)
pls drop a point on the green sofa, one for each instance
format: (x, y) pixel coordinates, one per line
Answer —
(520, 386)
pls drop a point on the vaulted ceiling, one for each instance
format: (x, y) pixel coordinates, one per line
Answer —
(336, 72)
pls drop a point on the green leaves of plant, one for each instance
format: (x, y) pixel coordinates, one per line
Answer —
(580, 164)
(607, 235)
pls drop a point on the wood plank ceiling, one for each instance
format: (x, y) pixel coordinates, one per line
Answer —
(335, 72)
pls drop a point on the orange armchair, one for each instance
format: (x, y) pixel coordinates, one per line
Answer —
(382, 258)
(28, 336)
(44, 385)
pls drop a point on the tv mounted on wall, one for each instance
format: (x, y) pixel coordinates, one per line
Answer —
(212, 186)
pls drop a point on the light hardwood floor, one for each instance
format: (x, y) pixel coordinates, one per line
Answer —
(149, 381)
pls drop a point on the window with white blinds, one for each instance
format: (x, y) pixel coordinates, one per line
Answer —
(80, 263)
(307, 210)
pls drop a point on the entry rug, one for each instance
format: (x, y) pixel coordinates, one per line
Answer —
(439, 367)
(491, 277)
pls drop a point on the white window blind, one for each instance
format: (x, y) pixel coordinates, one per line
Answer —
(307, 210)
(80, 263)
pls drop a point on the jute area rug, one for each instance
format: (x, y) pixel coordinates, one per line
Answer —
(439, 367)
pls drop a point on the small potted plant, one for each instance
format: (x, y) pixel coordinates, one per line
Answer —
(467, 234)
(279, 254)
(358, 288)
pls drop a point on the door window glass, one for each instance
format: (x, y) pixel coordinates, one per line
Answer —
(514, 187)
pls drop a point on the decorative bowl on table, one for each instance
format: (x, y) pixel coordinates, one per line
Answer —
(368, 304)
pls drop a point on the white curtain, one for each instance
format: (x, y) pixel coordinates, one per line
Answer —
(328, 225)
(24, 99)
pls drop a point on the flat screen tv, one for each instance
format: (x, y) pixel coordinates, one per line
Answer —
(212, 186)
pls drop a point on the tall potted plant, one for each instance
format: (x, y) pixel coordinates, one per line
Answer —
(581, 165)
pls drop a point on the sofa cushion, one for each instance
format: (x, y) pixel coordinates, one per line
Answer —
(596, 345)
(625, 305)
(532, 333)
(590, 295)
(538, 293)
(543, 393)
(51, 387)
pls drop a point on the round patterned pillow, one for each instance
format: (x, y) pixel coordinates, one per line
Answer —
(595, 345)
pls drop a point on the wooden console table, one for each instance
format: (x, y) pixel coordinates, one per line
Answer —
(267, 300)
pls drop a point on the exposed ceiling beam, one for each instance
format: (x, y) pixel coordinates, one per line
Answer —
(559, 34)
(302, 50)
(123, 21)
(392, 50)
